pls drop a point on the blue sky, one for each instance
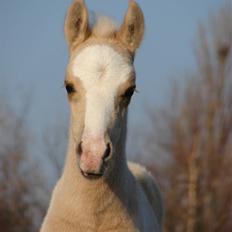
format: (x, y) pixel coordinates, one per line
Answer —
(33, 53)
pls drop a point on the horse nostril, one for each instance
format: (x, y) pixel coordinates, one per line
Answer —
(79, 148)
(107, 153)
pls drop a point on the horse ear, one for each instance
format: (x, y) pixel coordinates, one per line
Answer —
(76, 23)
(132, 30)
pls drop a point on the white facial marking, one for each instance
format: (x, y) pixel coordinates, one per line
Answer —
(101, 70)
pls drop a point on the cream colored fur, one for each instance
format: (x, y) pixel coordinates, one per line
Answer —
(126, 198)
(128, 201)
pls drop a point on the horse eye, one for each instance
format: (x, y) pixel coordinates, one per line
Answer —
(129, 92)
(70, 88)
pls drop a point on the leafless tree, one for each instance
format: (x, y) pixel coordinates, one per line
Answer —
(21, 205)
(192, 136)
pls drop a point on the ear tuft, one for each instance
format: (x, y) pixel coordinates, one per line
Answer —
(76, 23)
(132, 30)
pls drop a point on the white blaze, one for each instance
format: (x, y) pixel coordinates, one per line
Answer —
(101, 70)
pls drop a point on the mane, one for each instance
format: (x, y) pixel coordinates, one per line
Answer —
(104, 26)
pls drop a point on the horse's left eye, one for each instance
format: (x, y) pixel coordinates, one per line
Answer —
(129, 92)
(70, 88)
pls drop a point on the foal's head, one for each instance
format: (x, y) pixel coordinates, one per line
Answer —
(100, 82)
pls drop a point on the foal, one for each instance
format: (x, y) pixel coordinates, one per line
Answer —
(99, 190)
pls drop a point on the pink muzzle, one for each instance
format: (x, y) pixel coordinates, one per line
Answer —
(94, 154)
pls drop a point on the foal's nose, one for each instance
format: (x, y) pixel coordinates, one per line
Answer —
(94, 155)
(107, 153)
(105, 156)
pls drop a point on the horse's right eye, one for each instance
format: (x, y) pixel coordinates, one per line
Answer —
(129, 92)
(70, 88)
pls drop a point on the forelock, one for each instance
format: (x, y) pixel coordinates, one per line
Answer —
(104, 27)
